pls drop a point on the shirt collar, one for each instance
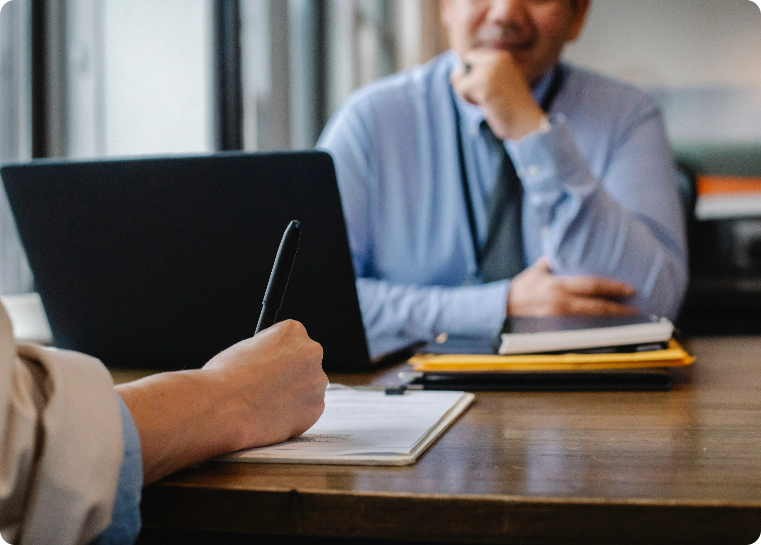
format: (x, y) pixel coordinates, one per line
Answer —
(473, 115)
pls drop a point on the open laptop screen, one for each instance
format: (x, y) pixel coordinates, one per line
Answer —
(163, 262)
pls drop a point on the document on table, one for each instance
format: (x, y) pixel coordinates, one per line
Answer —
(367, 427)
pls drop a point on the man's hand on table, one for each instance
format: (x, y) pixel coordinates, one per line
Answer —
(538, 292)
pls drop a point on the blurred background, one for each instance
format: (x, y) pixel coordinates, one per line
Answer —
(101, 78)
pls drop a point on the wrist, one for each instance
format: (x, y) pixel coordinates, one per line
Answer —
(525, 122)
(231, 413)
(530, 122)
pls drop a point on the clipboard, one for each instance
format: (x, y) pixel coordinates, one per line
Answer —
(367, 427)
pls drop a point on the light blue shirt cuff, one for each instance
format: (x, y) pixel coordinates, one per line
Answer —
(125, 518)
(549, 162)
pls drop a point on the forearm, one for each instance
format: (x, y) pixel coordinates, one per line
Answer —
(611, 242)
(627, 226)
(182, 418)
(422, 312)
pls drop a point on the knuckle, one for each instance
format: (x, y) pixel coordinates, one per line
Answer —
(292, 327)
(320, 382)
(317, 351)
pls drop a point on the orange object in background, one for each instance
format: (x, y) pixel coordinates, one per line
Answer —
(722, 185)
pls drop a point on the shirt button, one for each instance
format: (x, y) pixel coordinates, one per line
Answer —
(532, 170)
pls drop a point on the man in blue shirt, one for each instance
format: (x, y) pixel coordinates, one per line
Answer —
(416, 155)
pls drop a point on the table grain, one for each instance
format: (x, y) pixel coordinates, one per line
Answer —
(682, 466)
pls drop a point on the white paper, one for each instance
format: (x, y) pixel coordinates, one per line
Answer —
(365, 422)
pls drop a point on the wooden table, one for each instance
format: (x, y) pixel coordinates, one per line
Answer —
(530, 468)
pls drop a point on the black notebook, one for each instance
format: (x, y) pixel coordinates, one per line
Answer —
(629, 380)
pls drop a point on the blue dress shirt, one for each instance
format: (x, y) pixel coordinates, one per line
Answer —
(125, 517)
(600, 198)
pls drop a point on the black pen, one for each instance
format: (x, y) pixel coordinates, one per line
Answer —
(281, 272)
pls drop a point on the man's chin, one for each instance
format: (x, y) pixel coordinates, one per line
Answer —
(516, 50)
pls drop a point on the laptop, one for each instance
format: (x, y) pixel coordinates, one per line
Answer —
(163, 262)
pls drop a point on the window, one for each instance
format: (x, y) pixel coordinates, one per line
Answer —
(138, 77)
(134, 77)
(15, 141)
(302, 58)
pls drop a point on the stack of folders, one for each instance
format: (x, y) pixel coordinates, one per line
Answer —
(556, 353)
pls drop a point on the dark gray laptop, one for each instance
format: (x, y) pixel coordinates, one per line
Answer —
(163, 262)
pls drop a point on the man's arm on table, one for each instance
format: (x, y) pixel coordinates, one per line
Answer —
(70, 472)
(257, 392)
(588, 232)
(263, 390)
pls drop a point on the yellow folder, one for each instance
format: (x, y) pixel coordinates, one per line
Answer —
(673, 356)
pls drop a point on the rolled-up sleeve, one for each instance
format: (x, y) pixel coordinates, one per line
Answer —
(61, 445)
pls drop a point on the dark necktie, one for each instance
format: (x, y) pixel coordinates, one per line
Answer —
(502, 255)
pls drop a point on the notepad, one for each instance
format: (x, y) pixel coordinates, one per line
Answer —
(547, 334)
(367, 427)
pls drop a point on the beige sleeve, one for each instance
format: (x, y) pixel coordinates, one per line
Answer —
(60, 444)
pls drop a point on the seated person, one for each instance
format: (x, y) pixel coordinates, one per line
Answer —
(496, 180)
(75, 451)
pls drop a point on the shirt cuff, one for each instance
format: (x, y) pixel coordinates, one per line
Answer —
(549, 161)
(475, 310)
(125, 518)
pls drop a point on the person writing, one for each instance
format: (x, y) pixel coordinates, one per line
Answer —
(75, 451)
(496, 180)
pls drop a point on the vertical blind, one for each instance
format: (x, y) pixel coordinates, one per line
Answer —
(15, 135)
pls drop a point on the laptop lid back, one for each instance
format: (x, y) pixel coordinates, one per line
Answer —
(163, 262)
